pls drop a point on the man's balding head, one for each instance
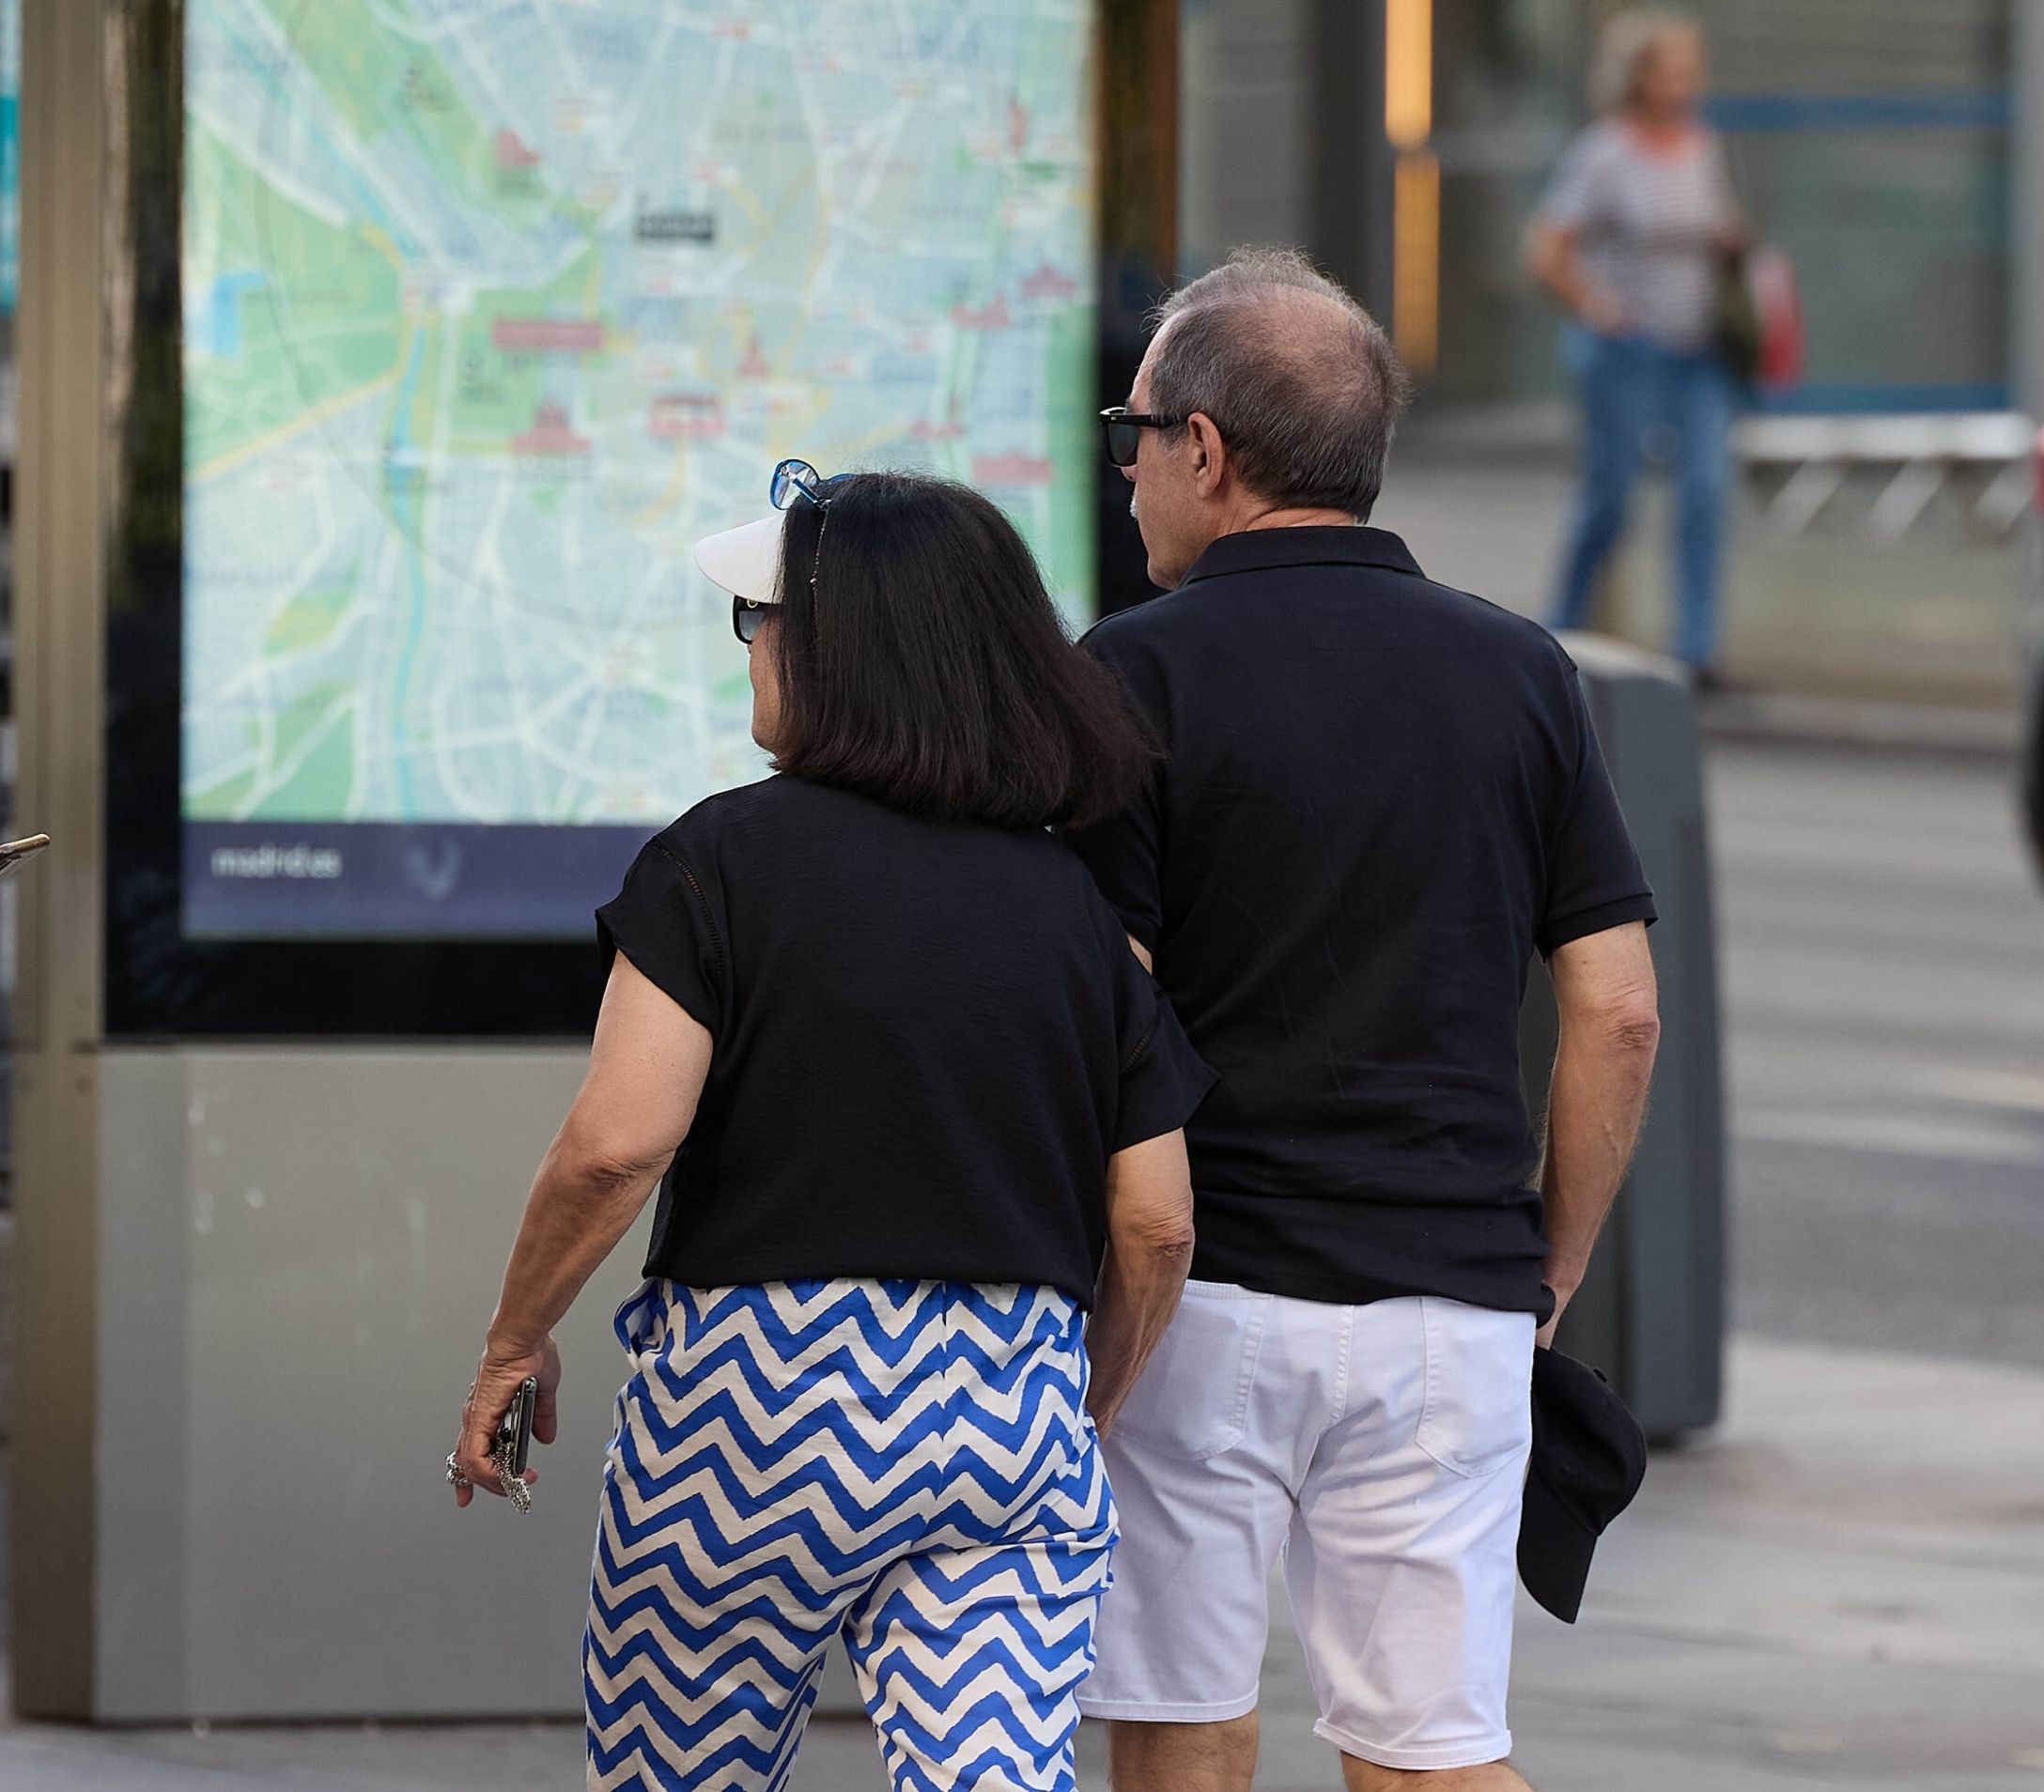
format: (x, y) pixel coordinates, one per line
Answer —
(1300, 381)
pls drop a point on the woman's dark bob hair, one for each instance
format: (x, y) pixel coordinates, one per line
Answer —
(927, 667)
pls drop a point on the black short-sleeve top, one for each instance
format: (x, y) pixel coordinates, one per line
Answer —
(929, 1038)
(1379, 799)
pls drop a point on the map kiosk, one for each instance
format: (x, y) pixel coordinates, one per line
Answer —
(358, 648)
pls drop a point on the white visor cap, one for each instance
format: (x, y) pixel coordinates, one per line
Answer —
(745, 560)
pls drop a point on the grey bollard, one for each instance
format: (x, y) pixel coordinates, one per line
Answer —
(1651, 1313)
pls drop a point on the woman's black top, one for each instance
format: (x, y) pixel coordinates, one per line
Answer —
(929, 1039)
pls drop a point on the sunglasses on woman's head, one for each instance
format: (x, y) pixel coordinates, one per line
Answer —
(792, 479)
(795, 479)
(1122, 430)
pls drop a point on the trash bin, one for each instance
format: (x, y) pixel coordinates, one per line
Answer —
(1651, 1313)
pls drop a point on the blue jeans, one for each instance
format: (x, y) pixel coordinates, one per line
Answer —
(1629, 385)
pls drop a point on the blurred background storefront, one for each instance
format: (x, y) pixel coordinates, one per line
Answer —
(1874, 140)
(1869, 137)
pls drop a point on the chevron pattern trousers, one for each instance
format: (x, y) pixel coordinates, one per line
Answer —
(906, 1464)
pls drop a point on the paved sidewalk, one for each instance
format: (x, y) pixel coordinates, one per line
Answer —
(1759, 715)
(1927, 622)
(1844, 1586)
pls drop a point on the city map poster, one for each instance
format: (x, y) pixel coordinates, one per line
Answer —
(491, 311)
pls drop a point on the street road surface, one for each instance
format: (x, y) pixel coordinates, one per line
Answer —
(1883, 983)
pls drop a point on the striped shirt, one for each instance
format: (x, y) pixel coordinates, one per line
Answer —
(1646, 226)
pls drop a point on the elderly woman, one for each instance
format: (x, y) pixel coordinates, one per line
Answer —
(913, 1109)
(1631, 239)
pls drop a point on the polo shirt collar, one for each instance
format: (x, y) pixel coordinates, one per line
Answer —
(1274, 549)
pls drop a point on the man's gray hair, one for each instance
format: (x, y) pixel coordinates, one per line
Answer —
(1300, 381)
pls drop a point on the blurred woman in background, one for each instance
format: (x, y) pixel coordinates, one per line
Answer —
(1632, 239)
(913, 1108)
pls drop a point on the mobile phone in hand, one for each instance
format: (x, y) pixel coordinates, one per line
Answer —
(515, 1433)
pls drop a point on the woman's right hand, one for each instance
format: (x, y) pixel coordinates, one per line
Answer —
(497, 1380)
(1601, 311)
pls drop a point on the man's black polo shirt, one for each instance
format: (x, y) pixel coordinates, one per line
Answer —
(1380, 798)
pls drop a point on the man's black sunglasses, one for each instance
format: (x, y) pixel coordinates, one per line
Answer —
(1123, 429)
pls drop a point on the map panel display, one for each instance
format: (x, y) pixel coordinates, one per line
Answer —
(492, 309)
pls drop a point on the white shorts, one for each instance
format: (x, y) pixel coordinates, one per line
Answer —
(1381, 1451)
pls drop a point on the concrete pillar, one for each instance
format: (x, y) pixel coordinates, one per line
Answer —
(1282, 136)
(1352, 167)
(1245, 124)
(67, 175)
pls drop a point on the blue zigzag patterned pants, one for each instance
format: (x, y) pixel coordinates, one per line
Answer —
(908, 1464)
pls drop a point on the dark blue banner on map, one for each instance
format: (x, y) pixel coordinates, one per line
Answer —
(384, 880)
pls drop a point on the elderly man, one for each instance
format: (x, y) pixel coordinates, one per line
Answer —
(1379, 798)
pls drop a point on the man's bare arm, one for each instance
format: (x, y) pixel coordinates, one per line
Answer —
(1606, 996)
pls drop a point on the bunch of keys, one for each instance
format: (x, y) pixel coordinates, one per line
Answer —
(515, 1444)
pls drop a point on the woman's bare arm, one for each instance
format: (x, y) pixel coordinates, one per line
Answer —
(1555, 267)
(1148, 1255)
(646, 1070)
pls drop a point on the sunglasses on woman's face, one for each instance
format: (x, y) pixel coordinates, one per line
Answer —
(1122, 430)
(747, 617)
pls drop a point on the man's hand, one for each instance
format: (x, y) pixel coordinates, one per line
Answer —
(496, 1385)
(1544, 1337)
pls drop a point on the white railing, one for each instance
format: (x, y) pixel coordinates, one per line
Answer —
(1915, 457)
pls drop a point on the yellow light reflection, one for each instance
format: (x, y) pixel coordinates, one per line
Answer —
(1415, 242)
(1408, 72)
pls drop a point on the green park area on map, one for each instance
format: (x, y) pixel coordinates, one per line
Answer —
(491, 313)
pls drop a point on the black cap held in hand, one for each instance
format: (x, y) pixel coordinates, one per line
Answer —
(1589, 1456)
